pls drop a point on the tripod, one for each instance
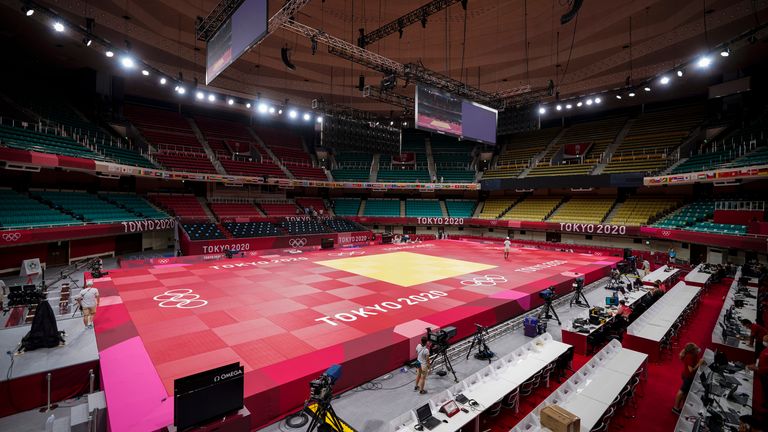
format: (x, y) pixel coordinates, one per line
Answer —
(323, 415)
(545, 312)
(578, 296)
(446, 362)
(483, 352)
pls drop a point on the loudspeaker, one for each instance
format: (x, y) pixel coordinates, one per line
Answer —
(361, 82)
(284, 55)
(326, 243)
(571, 14)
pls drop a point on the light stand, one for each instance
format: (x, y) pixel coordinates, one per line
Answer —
(483, 351)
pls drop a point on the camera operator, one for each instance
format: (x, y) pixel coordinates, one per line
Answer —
(422, 357)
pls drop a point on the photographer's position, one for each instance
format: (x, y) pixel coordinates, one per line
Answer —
(422, 356)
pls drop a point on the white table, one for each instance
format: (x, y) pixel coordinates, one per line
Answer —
(737, 349)
(693, 404)
(590, 391)
(491, 384)
(664, 274)
(625, 361)
(654, 323)
(698, 276)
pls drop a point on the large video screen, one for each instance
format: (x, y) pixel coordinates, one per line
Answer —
(246, 26)
(440, 111)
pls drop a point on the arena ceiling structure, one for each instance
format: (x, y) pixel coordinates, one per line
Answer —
(501, 48)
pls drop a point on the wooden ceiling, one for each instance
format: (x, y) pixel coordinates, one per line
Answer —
(484, 46)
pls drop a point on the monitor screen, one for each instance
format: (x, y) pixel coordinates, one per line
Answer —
(611, 301)
(440, 111)
(424, 412)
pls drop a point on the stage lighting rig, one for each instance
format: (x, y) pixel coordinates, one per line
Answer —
(419, 15)
(389, 82)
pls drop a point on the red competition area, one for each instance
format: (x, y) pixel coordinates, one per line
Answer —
(287, 317)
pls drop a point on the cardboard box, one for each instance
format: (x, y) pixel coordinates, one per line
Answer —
(558, 419)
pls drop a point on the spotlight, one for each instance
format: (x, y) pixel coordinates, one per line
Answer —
(559, 107)
(542, 110)
(631, 94)
(272, 110)
(211, 97)
(391, 123)
(647, 89)
(618, 96)
(405, 124)
(87, 41)
(568, 106)
(145, 72)
(725, 52)
(589, 102)
(292, 114)
(28, 11)
(598, 100)
(109, 53)
(181, 90)
(230, 101)
(579, 104)
(199, 95)
(127, 62)
(319, 119)
(262, 108)
(248, 105)
(680, 73)
(59, 27)
(664, 80)
(307, 117)
(163, 81)
(704, 62)
(280, 111)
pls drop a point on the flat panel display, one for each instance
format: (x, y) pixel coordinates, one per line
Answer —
(443, 112)
(246, 26)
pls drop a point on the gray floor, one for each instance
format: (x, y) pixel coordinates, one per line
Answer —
(370, 410)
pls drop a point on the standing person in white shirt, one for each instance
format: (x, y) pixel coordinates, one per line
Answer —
(88, 299)
(507, 245)
(422, 355)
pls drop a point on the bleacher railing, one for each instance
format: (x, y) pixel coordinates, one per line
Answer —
(740, 205)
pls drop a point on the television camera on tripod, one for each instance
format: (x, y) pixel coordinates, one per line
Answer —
(478, 340)
(548, 312)
(439, 343)
(320, 395)
(578, 293)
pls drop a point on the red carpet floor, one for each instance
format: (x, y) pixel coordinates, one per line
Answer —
(657, 395)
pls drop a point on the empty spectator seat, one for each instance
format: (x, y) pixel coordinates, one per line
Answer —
(314, 203)
(183, 206)
(21, 211)
(518, 152)
(279, 209)
(460, 208)
(640, 210)
(493, 207)
(382, 207)
(532, 209)
(343, 225)
(265, 168)
(423, 208)
(583, 210)
(87, 207)
(252, 229)
(203, 231)
(346, 206)
(135, 204)
(304, 226)
(27, 139)
(234, 210)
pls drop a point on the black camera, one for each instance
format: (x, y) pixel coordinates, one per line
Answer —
(578, 284)
(322, 387)
(439, 338)
(547, 294)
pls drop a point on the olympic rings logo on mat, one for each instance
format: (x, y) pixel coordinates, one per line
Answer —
(11, 237)
(297, 242)
(486, 280)
(180, 298)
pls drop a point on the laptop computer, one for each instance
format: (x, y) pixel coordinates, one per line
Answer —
(424, 415)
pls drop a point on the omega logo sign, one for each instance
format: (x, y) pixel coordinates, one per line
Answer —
(226, 375)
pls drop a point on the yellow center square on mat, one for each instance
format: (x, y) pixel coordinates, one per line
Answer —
(405, 268)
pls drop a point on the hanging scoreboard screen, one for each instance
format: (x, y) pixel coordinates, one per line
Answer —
(246, 27)
(443, 112)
